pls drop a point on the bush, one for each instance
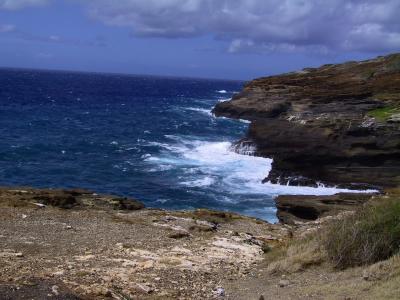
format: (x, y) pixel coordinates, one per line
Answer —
(370, 235)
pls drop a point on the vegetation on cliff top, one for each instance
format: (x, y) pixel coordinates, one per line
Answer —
(370, 235)
(384, 113)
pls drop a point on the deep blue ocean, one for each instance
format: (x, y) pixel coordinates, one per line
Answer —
(150, 138)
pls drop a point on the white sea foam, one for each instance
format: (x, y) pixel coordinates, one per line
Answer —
(201, 110)
(222, 91)
(161, 168)
(146, 156)
(230, 171)
(224, 99)
(206, 181)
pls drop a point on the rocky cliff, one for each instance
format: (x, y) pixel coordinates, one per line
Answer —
(338, 124)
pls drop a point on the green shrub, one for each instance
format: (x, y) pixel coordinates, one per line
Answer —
(370, 235)
(384, 113)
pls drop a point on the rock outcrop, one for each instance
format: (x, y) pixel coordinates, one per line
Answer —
(66, 199)
(338, 124)
(294, 209)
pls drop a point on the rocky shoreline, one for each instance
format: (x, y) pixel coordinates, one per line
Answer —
(336, 124)
(75, 244)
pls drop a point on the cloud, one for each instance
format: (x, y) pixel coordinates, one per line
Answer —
(7, 28)
(262, 25)
(16, 33)
(19, 4)
(55, 39)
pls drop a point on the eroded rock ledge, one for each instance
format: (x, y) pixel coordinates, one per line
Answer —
(299, 209)
(338, 124)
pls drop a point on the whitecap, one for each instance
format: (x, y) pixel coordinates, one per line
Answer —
(146, 156)
(222, 91)
(162, 200)
(161, 168)
(206, 181)
(201, 110)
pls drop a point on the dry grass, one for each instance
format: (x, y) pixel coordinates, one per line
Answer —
(370, 235)
(378, 281)
(297, 256)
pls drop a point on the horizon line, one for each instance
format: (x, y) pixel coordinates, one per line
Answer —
(119, 73)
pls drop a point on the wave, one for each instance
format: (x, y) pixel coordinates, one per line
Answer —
(201, 110)
(206, 181)
(217, 164)
(222, 92)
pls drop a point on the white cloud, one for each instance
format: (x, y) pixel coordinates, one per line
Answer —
(6, 28)
(19, 4)
(54, 38)
(255, 25)
(262, 25)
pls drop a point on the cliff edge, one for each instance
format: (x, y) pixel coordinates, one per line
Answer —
(337, 124)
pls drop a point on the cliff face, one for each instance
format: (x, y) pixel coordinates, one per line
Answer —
(338, 124)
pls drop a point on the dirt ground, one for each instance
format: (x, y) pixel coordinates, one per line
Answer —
(93, 251)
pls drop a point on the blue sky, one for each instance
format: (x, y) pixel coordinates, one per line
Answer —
(233, 39)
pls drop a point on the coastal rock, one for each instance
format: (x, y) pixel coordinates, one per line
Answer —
(126, 204)
(336, 124)
(66, 199)
(293, 209)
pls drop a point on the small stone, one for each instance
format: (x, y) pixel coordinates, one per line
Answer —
(68, 227)
(283, 283)
(365, 276)
(219, 292)
(24, 216)
(55, 289)
(157, 279)
(145, 288)
(59, 273)
(19, 254)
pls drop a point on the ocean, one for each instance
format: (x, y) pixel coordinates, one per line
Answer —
(150, 138)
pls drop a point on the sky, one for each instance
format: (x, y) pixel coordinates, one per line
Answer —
(231, 39)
